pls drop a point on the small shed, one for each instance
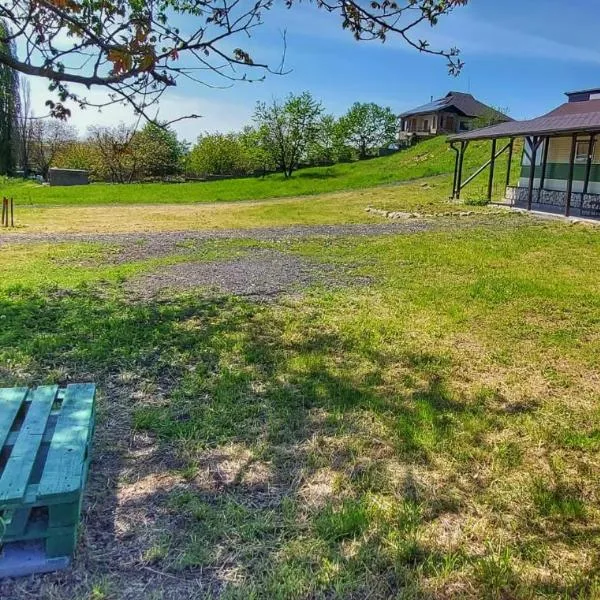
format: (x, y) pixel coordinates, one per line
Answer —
(62, 177)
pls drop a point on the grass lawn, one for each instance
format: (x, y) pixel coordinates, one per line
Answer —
(429, 158)
(430, 428)
(425, 197)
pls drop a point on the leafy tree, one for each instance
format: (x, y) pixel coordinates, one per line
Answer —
(329, 145)
(132, 50)
(82, 154)
(368, 126)
(289, 128)
(217, 154)
(48, 138)
(117, 160)
(491, 116)
(9, 103)
(229, 154)
(159, 151)
(121, 154)
(257, 156)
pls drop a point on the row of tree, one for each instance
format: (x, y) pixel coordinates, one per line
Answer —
(122, 154)
(294, 132)
(150, 57)
(285, 135)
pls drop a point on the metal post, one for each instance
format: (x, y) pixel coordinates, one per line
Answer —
(534, 146)
(463, 147)
(544, 166)
(571, 171)
(588, 166)
(510, 155)
(492, 165)
(455, 169)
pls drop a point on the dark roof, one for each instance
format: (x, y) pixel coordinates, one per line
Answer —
(575, 108)
(571, 117)
(590, 91)
(465, 104)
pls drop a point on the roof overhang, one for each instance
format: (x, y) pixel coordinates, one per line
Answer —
(431, 111)
(560, 125)
(588, 91)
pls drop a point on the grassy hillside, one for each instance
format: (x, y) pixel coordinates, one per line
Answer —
(432, 157)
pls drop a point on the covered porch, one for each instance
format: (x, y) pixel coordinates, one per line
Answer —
(560, 166)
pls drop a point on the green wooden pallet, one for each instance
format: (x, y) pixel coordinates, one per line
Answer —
(45, 441)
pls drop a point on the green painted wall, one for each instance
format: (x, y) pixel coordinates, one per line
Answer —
(561, 171)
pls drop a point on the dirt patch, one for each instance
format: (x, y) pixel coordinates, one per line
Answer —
(163, 243)
(261, 275)
(128, 247)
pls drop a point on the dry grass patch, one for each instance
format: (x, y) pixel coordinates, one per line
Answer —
(331, 208)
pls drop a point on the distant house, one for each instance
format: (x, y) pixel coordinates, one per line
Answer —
(454, 113)
(560, 167)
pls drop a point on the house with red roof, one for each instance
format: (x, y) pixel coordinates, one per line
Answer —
(454, 113)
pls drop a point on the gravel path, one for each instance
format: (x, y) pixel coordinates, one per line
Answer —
(142, 245)
(155, 244)
(261, 275)
(259, 233)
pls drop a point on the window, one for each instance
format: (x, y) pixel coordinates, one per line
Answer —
(581, 151)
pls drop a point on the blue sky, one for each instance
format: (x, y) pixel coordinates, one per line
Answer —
(519, 54)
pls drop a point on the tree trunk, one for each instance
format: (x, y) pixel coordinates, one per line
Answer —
(362, 154)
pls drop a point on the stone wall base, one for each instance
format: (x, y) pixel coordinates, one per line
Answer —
(586, 204)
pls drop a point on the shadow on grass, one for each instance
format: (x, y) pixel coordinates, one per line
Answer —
(328, 174)
(244, 456)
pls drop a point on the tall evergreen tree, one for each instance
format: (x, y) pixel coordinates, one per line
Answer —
(9, 106)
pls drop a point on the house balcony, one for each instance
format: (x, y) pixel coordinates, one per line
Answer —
(419, 133)
(555, 201)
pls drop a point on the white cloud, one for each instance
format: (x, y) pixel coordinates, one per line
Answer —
(476, 37)
(473, 37)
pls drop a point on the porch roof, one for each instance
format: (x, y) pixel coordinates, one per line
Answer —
(569, 118)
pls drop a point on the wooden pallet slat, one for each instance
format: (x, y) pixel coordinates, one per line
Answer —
(17, 472)
(15, 521)
(39, 531)
(62, 544)
(11, 400)
(46, 439)
(63, 471)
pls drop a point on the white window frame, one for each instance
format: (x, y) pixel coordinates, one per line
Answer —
(581, 150)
